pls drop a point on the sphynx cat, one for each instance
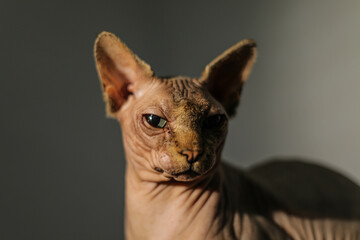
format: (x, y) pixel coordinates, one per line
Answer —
(177, 186)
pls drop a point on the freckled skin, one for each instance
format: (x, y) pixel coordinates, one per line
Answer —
(177, 186)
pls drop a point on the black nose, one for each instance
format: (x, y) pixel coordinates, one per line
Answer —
(191, 155)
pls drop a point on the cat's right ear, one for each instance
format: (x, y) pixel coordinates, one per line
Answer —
(120, 71)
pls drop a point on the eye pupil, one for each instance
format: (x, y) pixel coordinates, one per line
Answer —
(214, 121)
(155, 120)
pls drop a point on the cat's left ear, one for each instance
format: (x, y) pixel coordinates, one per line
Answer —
(226, 74)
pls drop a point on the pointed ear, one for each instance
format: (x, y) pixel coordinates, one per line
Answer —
(226, 75)
(120, 71)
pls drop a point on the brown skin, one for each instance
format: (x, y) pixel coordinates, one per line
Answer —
(176, 185)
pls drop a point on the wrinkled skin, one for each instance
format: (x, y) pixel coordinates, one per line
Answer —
(161, 149)
(177, 187)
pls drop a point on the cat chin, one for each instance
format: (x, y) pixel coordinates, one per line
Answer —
(186, 176)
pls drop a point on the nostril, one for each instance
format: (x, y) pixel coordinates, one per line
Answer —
(188, 155)
(191, 155)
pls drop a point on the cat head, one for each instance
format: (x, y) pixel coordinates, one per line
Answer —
(173, 127)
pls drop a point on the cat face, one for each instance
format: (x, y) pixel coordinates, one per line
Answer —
(179, 128)
(176, 126)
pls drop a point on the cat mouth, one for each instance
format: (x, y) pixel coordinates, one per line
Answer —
(186, 175)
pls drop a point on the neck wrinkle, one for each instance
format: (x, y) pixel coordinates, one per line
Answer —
(141, 178)
(206, 196)
(192, 200)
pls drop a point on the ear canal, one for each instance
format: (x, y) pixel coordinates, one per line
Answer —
(226, 74)
(120, 71)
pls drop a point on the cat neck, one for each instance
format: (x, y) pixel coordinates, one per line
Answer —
(207, 208)
(170, 209)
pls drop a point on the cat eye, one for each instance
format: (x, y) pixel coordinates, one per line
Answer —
(155, 120)
(214, 121)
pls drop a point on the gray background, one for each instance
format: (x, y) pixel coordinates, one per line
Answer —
(62, 164)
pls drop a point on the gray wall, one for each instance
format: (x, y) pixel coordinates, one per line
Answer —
(62, 164)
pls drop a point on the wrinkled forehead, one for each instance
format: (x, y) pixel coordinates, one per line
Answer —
(187, 93)
(183, 88)
(190, 97)
(179, 97)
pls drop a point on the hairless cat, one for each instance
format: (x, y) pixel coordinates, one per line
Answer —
(177, 186)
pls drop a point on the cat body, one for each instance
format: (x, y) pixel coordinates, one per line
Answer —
(177, 186)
